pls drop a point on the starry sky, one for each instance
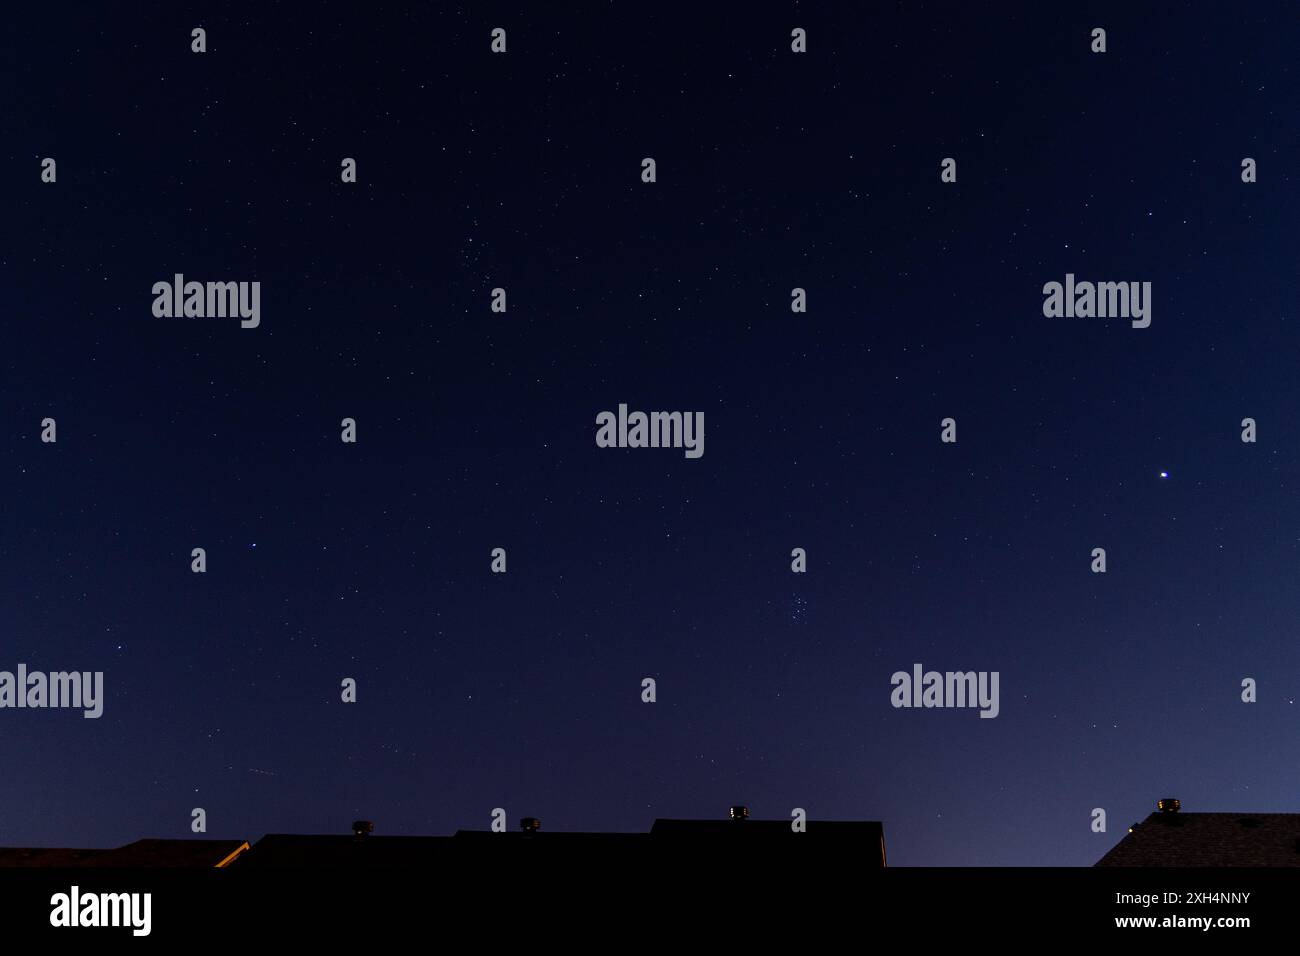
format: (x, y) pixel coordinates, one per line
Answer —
(476, 429)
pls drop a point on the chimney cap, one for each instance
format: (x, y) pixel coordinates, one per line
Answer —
(362, 828)
(1169, 805)
(530, 824)
(739, 813)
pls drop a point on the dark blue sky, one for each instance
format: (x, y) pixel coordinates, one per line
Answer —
(476, 430)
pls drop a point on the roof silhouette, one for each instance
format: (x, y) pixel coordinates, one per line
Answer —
(141, 853)
(863, 840)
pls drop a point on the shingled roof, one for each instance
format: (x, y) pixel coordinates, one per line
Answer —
(1210, 839)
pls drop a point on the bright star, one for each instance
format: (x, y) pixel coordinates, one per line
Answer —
(1164, 474)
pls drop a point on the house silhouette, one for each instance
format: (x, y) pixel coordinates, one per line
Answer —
(738, 837)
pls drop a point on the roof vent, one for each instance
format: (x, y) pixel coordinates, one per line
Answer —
(1168, 805)
(530, 824)
(739, 813)
(361, 828)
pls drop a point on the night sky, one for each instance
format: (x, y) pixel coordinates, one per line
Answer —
(476, 430)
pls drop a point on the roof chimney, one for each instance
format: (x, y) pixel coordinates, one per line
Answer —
(530, 824)
(739, 813)
(1168, 805)
(361, 828)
